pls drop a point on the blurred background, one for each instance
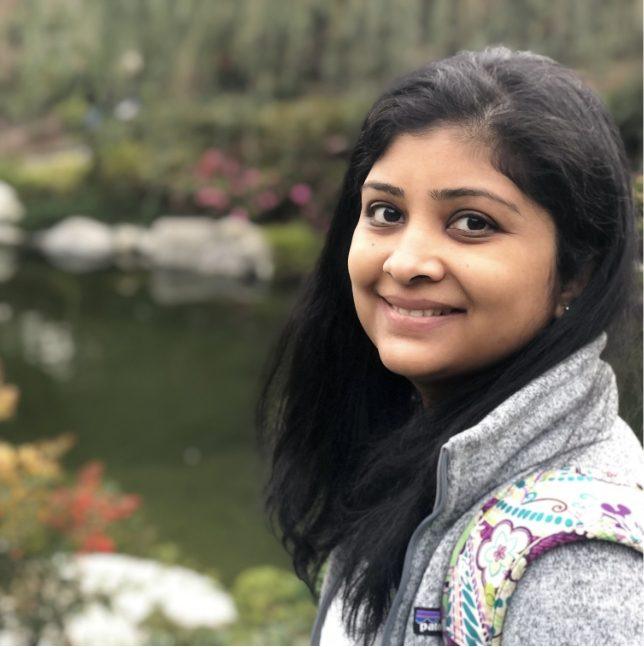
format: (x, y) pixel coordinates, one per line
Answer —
(168, 168)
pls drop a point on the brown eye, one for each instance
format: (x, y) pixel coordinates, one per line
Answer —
(473, 223)
(383, 214)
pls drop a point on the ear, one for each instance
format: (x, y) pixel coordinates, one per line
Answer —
(572, 290)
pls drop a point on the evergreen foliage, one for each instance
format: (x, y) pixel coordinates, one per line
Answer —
(198, 48)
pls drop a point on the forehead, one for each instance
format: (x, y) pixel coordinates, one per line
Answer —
(445, 157)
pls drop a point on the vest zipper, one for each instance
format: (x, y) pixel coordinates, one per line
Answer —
(439, 504)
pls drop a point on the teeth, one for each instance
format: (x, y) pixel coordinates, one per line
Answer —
(421, 313)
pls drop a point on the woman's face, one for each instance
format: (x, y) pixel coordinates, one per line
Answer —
(452, 267)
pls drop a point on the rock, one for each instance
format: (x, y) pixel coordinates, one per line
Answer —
(10, 236)
(229, 247)
(77, 244)
(11, 209)
(48, 344)
(129, 245)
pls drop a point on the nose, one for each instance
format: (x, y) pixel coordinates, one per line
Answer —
(414, 256)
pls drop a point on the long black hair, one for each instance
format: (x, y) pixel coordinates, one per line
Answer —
(340, 429)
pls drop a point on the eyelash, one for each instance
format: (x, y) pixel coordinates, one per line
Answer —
(372, 208)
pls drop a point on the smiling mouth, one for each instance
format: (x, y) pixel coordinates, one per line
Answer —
(424, 313)
(419, 312)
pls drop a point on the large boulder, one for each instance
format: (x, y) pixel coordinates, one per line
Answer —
(11, 209)
(10, 236)
(77, 244)
(130, 244)
(230, 247)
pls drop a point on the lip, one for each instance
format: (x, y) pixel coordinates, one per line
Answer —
(407, 323)
(417, 304)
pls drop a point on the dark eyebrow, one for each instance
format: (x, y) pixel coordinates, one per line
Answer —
(444, 194)
(465, 192)
(387, 188)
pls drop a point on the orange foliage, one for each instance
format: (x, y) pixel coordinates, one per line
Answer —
(84, 511)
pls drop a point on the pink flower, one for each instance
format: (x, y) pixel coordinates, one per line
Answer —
(230, 167)
(267, 200)
(300, 194)
(210, 162)
(251, 177)
(209, 196)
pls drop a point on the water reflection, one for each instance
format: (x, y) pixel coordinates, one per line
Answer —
(8, 264)
(47, 344)
(173, 287)
(6, 313)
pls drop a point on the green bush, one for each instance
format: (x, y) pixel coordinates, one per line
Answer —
(124, 162)
(72, 112)
(55, 174)
(137, 170)
(298, 141)
(296, 247)
(275, 608)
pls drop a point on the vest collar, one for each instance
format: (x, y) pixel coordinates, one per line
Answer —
(565, 408)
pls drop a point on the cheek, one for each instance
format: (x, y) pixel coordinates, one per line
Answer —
(521, 285)
(363, 261)
(364, 267)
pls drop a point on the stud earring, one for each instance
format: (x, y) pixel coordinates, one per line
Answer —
(566, 308)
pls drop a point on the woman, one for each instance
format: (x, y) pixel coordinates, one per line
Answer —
(448, 342)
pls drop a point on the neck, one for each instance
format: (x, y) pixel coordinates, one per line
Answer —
(435, 392)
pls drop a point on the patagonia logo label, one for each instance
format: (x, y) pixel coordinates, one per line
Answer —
(427, 622)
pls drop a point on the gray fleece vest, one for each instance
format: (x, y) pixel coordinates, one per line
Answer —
(566, 417)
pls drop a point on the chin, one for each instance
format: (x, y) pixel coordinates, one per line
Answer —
(413, 367)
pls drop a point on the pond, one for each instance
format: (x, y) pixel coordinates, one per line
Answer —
(162, 394)
(162, 390)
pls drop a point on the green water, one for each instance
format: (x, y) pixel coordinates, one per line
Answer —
(162, 394)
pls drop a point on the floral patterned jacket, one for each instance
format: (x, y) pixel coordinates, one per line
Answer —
(582, 593)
